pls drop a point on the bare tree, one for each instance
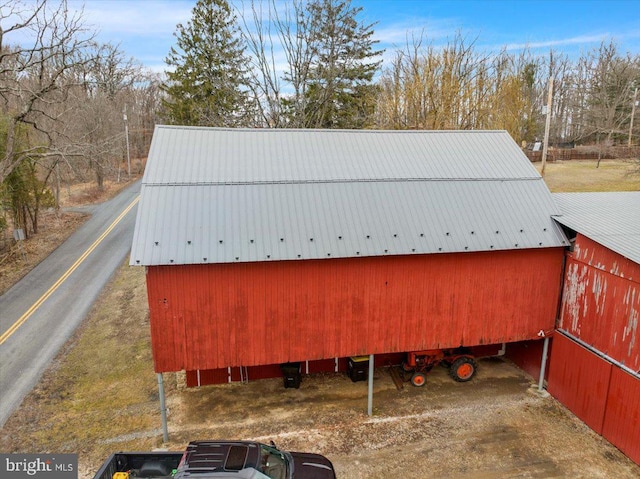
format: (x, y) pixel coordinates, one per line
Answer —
(258, 33)
(436, 88)
(104, 93)
(323, 77)
(280, 82)
(34, 78)
(111, 71)
(611, 86)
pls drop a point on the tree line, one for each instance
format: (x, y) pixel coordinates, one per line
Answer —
(73, 108)
(63, 97)
(315, 64)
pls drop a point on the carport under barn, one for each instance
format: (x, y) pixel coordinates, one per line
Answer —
(264, 247)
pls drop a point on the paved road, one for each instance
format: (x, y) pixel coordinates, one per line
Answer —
(39, 313)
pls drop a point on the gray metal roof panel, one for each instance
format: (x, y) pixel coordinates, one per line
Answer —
(214, 195)
(266, 222)
(609, 218)
(197, 155)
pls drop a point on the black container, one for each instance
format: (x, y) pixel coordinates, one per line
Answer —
(291, 375)
(358, 368)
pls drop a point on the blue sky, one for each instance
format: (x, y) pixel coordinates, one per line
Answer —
(144, 28)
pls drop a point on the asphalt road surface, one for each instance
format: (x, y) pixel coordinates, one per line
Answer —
(41, 312)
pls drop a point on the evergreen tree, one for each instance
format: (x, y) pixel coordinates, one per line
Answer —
(340, 93)
(208, 84)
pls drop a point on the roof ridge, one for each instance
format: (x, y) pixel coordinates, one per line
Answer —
(321, 130)
(339, 180)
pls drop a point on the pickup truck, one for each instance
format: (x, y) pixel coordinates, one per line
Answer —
(218, 460)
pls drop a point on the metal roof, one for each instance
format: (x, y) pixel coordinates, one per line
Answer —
(214, 195)
(196, 155)
(611, 219)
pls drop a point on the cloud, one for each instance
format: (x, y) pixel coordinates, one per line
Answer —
(578, 40)
(151, 18)
(399, 33)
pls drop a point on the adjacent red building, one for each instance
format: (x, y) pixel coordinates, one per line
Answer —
(595, 361)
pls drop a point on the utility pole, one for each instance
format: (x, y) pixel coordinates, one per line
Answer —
(547, 124)
(633, 112)
(126, 134)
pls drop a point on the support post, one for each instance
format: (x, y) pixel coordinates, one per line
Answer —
(633, 113)
(370, 392)
(543, 366)
(126, 135)
(163, 409)
(547, 125)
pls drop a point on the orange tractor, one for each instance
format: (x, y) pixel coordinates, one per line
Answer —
(461, 363)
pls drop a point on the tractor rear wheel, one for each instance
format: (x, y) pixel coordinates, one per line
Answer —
(463, 369)
(419, 379)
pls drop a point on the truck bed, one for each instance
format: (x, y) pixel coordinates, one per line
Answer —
(150, 465)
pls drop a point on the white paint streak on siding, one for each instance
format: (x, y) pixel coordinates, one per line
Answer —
(615, 269)
(599, 290)
(576, 286)
(631, 329)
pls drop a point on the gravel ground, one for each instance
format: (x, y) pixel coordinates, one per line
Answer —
(496, 426)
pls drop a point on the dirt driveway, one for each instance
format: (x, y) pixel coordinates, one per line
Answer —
(496, 426)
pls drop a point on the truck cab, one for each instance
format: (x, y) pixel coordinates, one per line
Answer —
(250, 460)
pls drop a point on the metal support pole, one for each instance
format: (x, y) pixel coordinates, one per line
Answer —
(547, 125)
(370, 392)
(126, 135)
(163, 409)
(633, 113)
(543, 366)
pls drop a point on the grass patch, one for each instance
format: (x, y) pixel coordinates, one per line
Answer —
(585, 175)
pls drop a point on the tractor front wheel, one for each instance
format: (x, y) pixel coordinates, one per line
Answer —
(419, 379)
(463, 369)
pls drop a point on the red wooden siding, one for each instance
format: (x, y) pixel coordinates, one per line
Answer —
(527, 355)
(601, 301)
(622, 421)
(219, 315)
(580, 380)
(209, 376)
(593, 253)
(604, 396)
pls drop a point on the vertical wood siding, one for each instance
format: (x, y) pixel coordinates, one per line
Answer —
(622, 420)
(604, 396)
(527, 355)
(601, 301)
(580, 380)
(220, 315)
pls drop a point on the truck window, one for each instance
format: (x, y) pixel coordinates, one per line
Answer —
(274, 463)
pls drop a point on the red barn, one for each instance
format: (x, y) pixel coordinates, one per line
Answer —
(270, 246)
(594, 367)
